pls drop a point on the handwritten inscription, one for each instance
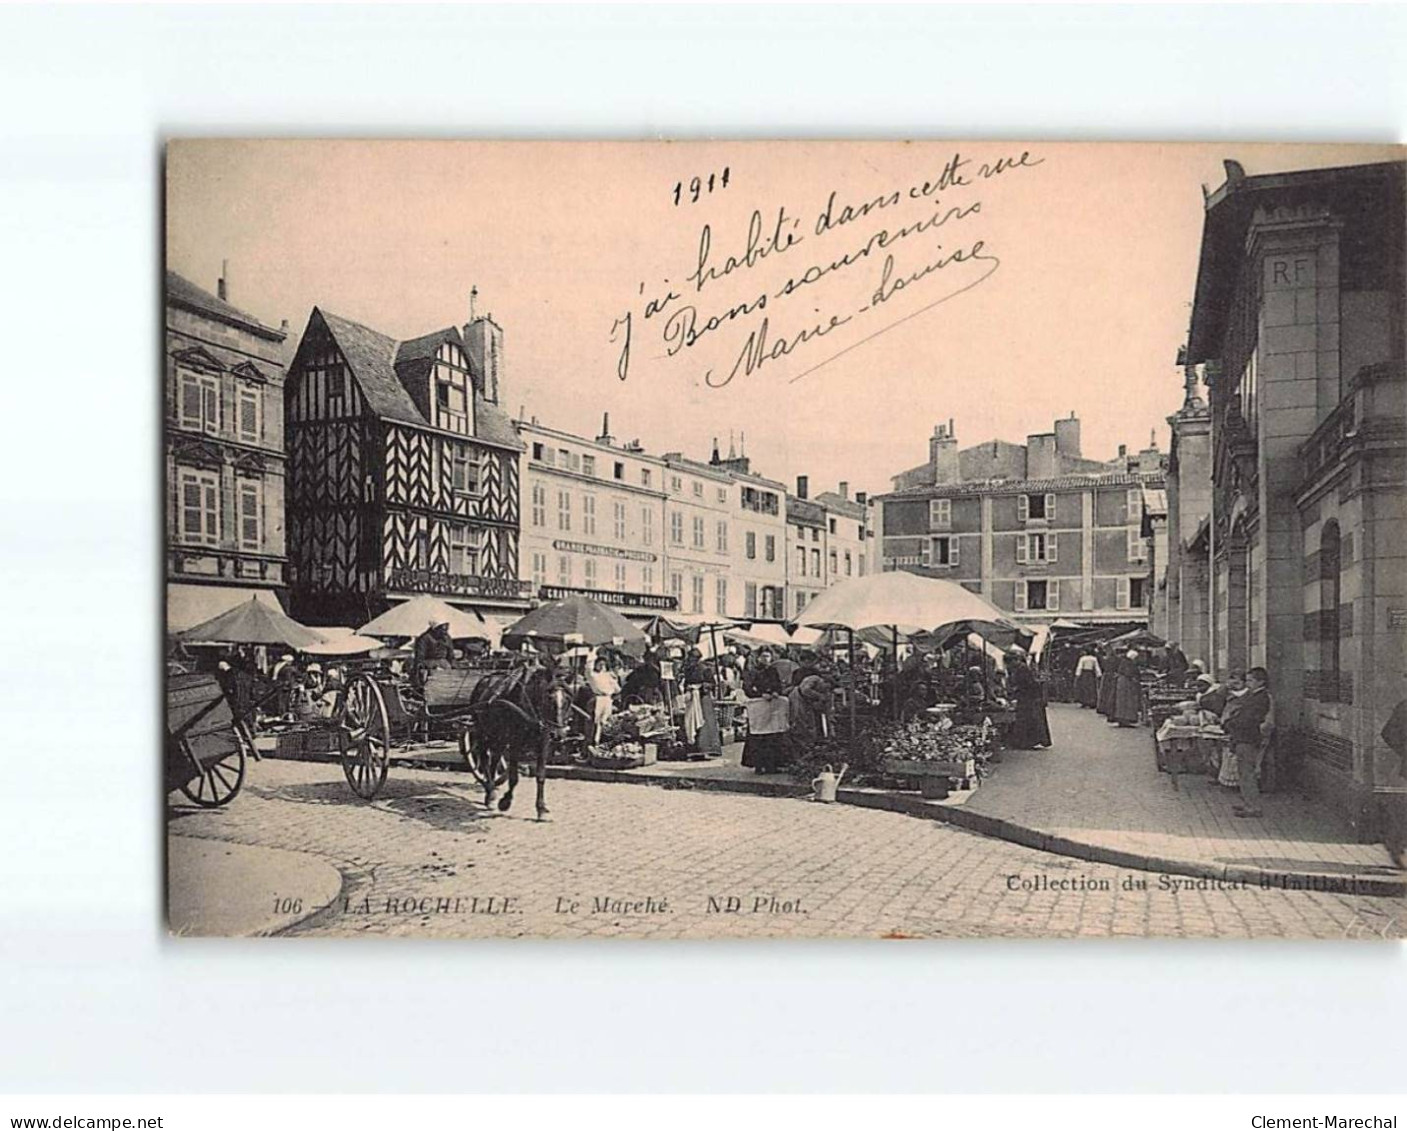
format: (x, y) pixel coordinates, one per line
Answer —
(700, 186)
(804, 283)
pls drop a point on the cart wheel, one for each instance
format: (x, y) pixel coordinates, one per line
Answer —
(365, 737)
(220, 781)
(466, 750)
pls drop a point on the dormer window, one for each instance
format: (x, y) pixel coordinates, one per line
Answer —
(451, 410)
(453, 391)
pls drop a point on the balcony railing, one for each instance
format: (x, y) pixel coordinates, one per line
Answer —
(1371, 406)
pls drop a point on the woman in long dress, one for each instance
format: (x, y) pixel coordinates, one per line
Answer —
(1128, 692)
(1108, 685)
(604, 688)
(1087, 675)
(809, 702)
(1031, 730)
(766, 748)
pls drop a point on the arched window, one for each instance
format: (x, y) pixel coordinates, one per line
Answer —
(1329, 610)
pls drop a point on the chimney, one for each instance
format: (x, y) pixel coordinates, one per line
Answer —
(1123, 451)
(605, 437)
(222, 288)
(862, 497)
(1067, 438)
(844, 489)
(1040, 456)
(1150, 460)
(483, 342)
(802, 484)
(715, 459)
(943, 454)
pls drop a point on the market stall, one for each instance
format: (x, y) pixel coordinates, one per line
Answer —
(1190, 742)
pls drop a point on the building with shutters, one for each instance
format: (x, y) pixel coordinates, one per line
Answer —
(403, 472)
(829, 537)
(1297, 325)
(593, 520)
(224, 456)
(1037, 529)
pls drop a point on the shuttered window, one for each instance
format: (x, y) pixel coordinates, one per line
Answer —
(200, 401)
(200, 507)
(251, 515)
(250, 424)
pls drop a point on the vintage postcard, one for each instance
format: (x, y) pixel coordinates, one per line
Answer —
(784, 539)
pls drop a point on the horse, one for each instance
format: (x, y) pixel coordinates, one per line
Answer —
(515, 713)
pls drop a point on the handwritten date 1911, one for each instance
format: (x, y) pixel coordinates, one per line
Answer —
(700, 186)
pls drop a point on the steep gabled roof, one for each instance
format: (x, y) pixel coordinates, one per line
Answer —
(371, 356)
(379, 363)
(180, 291)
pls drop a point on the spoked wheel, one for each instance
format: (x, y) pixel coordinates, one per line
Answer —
(219, 781)
(365, 737)
(476, 764)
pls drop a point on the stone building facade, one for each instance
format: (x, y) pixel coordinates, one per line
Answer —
(1183, 591)
(593, 519)
(224, 455)
(1037, 529)
(1298, 325)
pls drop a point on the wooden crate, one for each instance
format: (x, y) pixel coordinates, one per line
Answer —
(921, 768)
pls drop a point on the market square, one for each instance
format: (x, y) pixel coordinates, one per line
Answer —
(448, 654)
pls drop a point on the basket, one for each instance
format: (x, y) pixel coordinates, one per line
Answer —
(603, 760)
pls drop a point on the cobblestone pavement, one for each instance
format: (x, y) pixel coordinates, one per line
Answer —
(1100, 785)
(425, 859)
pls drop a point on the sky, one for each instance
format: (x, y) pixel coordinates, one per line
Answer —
(1024, 281)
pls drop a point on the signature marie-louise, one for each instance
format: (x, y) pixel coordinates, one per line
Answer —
(845, 267)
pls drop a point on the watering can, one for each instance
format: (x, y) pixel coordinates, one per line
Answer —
(825, 784)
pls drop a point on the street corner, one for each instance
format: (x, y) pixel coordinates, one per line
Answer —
(218, 889)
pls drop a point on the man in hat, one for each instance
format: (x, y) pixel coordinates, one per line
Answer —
(433, 649)
(1247, 724)
(286, 678)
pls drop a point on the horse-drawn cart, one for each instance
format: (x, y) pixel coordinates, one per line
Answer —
(207, 748)
(376, 717)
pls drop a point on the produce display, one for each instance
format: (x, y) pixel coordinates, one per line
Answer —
(625, 733)
(941, 741)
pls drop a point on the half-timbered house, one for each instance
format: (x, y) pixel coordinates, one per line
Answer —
(403, 472)
(223, 453)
